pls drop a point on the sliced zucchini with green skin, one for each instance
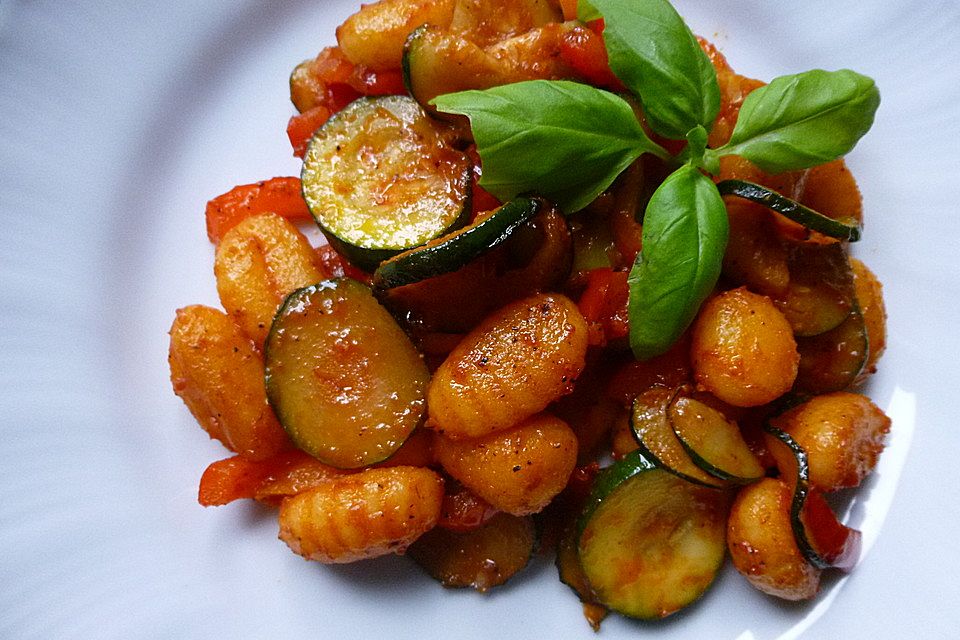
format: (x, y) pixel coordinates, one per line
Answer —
(845, 229)
(436, 62)
(571, 574)
(823, 540)
(454, 251)
(381, 177)
(652, 430)
(713, 442)
(345, 381)
(649, 542)
(833, 361)
(482, 558)
(821, 291)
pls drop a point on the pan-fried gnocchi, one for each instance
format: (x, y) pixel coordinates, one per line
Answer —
(363, 515)
(518, 470)
(476, 375)
(514, 364)
(219, 374)
(258, 263)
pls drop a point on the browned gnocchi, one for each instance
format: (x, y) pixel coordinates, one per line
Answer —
(517, 470)
(761, 542)
(258, 263)
(363, 515)
(664, 318)
(743, 350)
(843, 435)
(514, 364)
(219, 374)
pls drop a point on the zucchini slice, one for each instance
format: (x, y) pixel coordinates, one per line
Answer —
(454, 251)
(649, 542)
(436, 62)
(652, 430)
(345, 381)
(833, 361)
(713, 442)
(482, 558)
(843, 229)
(571, 574)
(381, 176)
(821, 292)
(823, 540)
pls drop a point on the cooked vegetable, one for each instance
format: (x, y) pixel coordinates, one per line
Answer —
(843, 435)
(616, 138)
(713, 442)
(237, 477)
(258, 263)
(820, 294)
(462, 509)
(844, 229)
(653, 431)
(430, 52)
(762, 543)
(518, 470)
(834, 360)
(650, 543)
(743, 350)
(346, 382)
(515, 363)
(277, 195)
(218, 373)
(821, 538)
(381, 176)
(362, 515)
(454, 251)
(571, 574)
(482, 558)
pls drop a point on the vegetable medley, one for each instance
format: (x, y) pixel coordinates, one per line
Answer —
(586, 290)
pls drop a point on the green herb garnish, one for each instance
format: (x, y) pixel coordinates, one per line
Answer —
(568, 142)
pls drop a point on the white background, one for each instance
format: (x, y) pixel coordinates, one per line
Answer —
(119, 120)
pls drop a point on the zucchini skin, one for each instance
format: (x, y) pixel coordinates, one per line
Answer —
(801, 493)
(659, 442)
(609, 480)
(847, 229)
(745, 472)
(365, 181)
(455, 251)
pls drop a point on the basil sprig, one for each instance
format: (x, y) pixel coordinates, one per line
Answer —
(530, 134)
(568, 142)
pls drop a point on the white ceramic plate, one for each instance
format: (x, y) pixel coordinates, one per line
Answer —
(119, 120)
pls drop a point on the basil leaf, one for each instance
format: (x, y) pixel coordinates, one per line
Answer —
(803, 120)
(685, 233)
(563, 140)
(657, 57)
